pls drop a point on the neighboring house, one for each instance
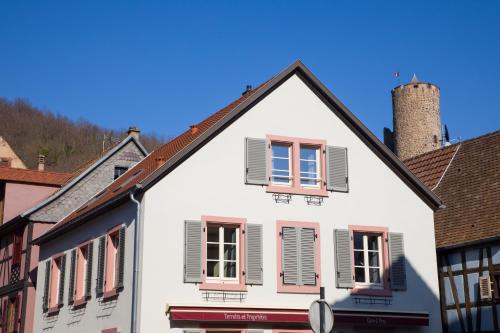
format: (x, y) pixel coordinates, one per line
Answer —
(466, 176)
(235, 224)
(28, 216)
(8, 157)
(20, 189)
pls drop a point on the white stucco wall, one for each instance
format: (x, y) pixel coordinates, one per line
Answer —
(211, 182)
(97, 314)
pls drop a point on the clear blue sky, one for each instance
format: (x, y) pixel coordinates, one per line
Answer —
(165, 65)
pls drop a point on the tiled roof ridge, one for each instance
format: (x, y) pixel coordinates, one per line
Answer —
(38, 171)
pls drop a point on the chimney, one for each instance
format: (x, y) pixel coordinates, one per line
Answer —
(194, 129)
(41, 162)
(247, 90)
(134, 131)
(160, 161)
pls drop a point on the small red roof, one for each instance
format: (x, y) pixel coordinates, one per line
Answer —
(34, 176)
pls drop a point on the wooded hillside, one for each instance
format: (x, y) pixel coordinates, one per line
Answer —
(65, 143)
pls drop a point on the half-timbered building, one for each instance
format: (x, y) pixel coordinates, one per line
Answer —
(466, 176)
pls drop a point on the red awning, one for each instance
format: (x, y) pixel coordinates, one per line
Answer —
(293, 316)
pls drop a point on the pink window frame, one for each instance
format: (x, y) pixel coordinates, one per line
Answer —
(241, 223)
(81, 266)
(54, 283)
(383, 231)
(110, 289)
(110, 330)
(295, 187)
(297, 289)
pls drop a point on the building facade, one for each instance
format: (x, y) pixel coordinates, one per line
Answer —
(19, 190)
(235, 224)
(465, 176)
(31, 210)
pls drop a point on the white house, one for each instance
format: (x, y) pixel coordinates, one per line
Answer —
(235, 224)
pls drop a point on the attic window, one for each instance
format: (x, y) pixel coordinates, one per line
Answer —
(119, 170)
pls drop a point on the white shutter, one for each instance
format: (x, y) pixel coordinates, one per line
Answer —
(256, 162)
(397, 261)
(253, 246)
(343, 261)
(307, 257)
(336, 169)
(192, 251)
(289, 255)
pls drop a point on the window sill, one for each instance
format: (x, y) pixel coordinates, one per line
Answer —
(223, 286)
(80, 302)
(110, 294)
(320, 192)
(298, 289)
(371, 292)
(54, 309)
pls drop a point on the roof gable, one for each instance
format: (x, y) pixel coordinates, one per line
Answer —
(83, 172)
(163, 160)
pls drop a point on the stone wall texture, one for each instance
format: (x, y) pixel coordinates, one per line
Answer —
(90, 185)
(416, 119)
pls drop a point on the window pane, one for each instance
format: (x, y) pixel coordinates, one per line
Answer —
(212, 268)
(372, 242)
(359, 259)
(373, 259)
(308, 153)
(308, 166)
(358, 241)
(374, 275)
(280, 164)
(213, 251)
(229, 235)
(277, 173)
(229, 252)
(230, 269)
(280, 180)
(280, 150)
(359, 274)
(213, 234)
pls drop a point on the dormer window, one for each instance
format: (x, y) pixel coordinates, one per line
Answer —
(119, 170)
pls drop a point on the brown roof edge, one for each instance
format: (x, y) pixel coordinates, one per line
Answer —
(335, 105)
(466, 244)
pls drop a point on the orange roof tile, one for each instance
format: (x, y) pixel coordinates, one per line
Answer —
(34, 176)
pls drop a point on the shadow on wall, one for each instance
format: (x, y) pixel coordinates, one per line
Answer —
(418, 297)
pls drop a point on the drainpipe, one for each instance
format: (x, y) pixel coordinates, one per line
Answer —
(137, 247)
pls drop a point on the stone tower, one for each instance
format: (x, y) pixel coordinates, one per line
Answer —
(416, 118)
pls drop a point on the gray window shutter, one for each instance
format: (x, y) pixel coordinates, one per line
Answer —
(88, 276)
(121, 258)
(256, 161)
(62, 273)
(307, 257)
(72, 271)
(191, 331)
(289, 255)
(100, 265)
(343, 259)
(46, 286)
(336, 169)
(397, 261)
(192, 251)
(253, 273)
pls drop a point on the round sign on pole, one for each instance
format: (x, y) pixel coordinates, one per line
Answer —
(315, 316)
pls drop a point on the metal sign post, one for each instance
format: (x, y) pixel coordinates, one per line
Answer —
(321, 315)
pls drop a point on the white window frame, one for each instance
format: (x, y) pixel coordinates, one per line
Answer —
(318, 167)
(221, 260)
(290, 162)
(367, 283)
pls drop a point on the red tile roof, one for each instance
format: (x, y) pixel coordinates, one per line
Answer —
(34, 176)
(149, 164)
(469, 189)
(430, 167)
